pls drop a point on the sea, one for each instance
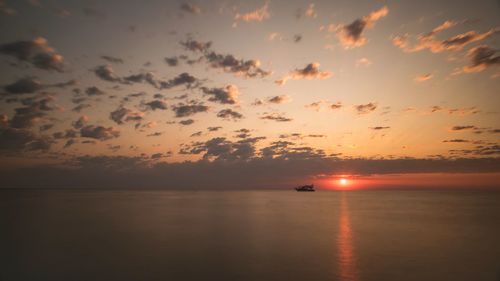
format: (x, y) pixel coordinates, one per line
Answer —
(363, 235)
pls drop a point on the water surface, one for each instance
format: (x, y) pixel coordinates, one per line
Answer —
(249, 235)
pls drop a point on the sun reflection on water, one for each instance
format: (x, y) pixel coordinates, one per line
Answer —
(346, 258)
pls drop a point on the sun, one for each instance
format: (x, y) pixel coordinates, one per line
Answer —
(343, 181)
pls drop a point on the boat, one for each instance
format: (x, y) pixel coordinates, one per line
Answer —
(306, 188)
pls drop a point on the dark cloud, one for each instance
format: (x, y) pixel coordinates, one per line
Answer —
(30, 85)
(112, 59)
(279, 99)
(466, 127)
(122, 115)
(229, 114)
(196, 46)
(27, 85)
(379, 128)
(197, 134)
(190, 8)
(310, 71)
(35, 111)
(213, 129)
(228, 63)
(221, 149)
(81, 107)
(105, 72)
(185, 110)
(481, 58)
(365, 108)
(186, 122)
(243, 172)
(457, 141)
(276, 117)
(78, 124)
(155, 134)
(156, 104)
(227, 95)
(172, 61)
(351, 35)
(99, 132)
(37, 52)
(94, 91)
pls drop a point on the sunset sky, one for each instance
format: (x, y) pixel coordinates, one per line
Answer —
(249, 93)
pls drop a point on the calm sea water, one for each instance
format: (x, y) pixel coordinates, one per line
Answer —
(249, 235)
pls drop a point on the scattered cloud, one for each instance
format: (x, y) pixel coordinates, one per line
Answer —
(190, 8)
(226, 95)
(229, 114)
(228, 63)
(99, 132)
(429, 41)
(36, 52)
(365, 108)
(351, 35)
(258, 15)
(278, 117)
(423, 77)
(310, 71)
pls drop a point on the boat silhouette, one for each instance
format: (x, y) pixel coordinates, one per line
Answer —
(306, 188)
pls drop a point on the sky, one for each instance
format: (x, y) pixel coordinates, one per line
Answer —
(249, 94)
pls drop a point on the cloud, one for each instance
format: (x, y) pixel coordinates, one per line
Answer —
(15, 140)
(35, 111)
(196, 46)
(186, 122)
(99, 132)
(363, 62)
(214, 129)
(105, 72)
(6, 10)
(457, 141)
(94, 91)
(27, 85)
(481, 57)
(37, 52)
(185, 110)
(258, 15)
(228, 63)
(122, 115)
(78, 124)
(172, 61)
(379, 128)
(423, 77)
(365, 108)
(462, 128)
(221, 149)
(310, 12)
(351, 35)
(278, 117)
(236, 168)
(279, 99)
(229, 114)
(190, 8)
(30, 85)
(310, 71)
(157, 104)
(227, 95)
(112, 59)
(429, 41)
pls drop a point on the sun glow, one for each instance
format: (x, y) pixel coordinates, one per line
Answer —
(343, 182)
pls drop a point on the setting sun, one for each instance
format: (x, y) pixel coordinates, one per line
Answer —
(343, 181)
